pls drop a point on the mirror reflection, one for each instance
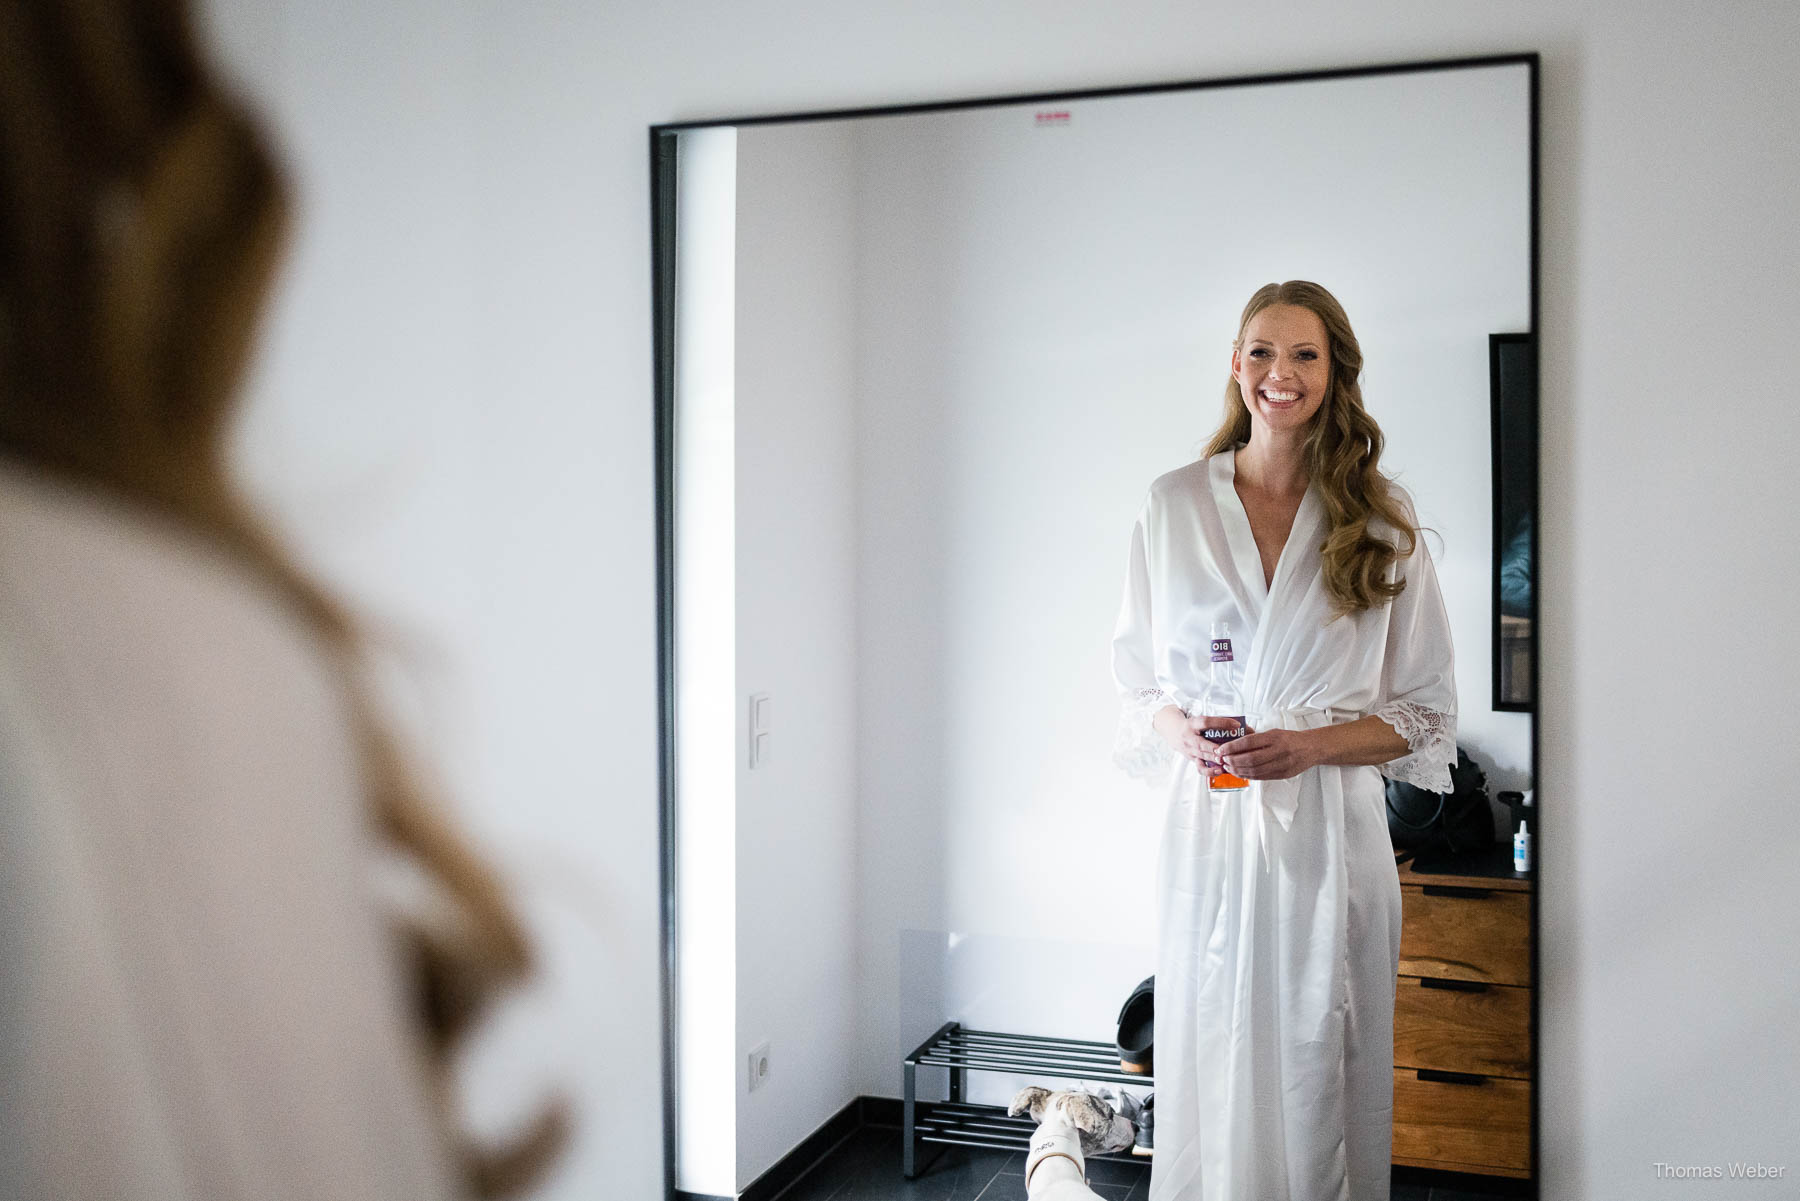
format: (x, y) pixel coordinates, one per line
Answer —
(928, 601)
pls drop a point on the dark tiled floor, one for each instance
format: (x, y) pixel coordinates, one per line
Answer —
(866, 1167)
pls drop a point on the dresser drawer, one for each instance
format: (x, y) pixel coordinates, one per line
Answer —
(1455, 1030)
(1466, 934)
(1483, 1127)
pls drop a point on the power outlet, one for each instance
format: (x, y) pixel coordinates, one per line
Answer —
(759, 1066)
(759, 730)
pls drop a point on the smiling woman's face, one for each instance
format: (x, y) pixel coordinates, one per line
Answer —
(1283, 365)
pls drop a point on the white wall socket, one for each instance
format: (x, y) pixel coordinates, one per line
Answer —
(759, 1066)
(759, 730)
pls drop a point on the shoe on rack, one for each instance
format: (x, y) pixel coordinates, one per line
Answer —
(1146, 1128)
(1137, 1028)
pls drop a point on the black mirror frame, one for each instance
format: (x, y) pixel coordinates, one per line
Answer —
(663, 200)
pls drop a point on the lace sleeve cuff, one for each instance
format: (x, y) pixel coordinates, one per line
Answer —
(1138, 750)
(1431, 745)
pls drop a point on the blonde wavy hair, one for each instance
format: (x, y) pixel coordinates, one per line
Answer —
(1343, 453)
(141, 220)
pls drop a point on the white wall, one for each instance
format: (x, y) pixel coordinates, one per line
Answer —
(796, 904)
(477, 196)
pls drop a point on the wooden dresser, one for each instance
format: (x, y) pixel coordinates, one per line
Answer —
(1462, 1018)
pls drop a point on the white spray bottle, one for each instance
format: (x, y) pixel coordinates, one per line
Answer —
(1522, 841)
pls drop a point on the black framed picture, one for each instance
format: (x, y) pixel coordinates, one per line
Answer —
(1512, 380)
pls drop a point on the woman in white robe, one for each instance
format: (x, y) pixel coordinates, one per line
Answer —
(1279, 906)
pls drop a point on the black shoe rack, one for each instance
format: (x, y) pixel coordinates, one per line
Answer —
(953, 1122)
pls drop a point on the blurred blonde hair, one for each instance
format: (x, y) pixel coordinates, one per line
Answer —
(141, 220)
(1343, 453)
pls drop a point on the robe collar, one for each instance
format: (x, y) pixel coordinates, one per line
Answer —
(1250, 592)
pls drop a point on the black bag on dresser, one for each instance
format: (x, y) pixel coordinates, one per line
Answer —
(1454, 821)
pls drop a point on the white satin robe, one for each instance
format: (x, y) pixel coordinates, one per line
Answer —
(1279, 908)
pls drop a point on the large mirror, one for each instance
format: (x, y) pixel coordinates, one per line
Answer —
(916, 371)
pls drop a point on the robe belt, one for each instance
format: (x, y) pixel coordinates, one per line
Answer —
(1281, 798)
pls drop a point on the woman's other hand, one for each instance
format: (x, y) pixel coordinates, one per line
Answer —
(1271, 755)
(1184, 734)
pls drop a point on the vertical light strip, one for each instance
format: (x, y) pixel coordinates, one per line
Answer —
(706, 655)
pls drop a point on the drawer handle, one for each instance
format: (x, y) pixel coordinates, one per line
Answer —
(1453, 985)
(1451, 1077)
(1455, 890)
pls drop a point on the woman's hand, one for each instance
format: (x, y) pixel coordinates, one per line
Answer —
(1183, 733)
(1271, 755)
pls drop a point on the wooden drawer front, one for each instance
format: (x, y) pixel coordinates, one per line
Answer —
(1486, 1032)
(1466, 935)
(1462, 1127)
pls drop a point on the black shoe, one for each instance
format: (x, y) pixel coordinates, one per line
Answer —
(1146, 1128)
(1137, 1027)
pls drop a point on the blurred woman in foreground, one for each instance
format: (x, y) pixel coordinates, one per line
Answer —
(203, 994)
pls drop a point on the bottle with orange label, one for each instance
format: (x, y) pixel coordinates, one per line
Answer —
(1221, 706)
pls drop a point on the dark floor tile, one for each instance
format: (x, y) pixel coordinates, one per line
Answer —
(959, 1174)
(1458, 1186)
(1004, 1187)
(866, 1167)
(1010, 1187)
(1116, 1171)
(1014, 1165)
(1099, 1171)
(1429, 1184)
(864, 1153)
